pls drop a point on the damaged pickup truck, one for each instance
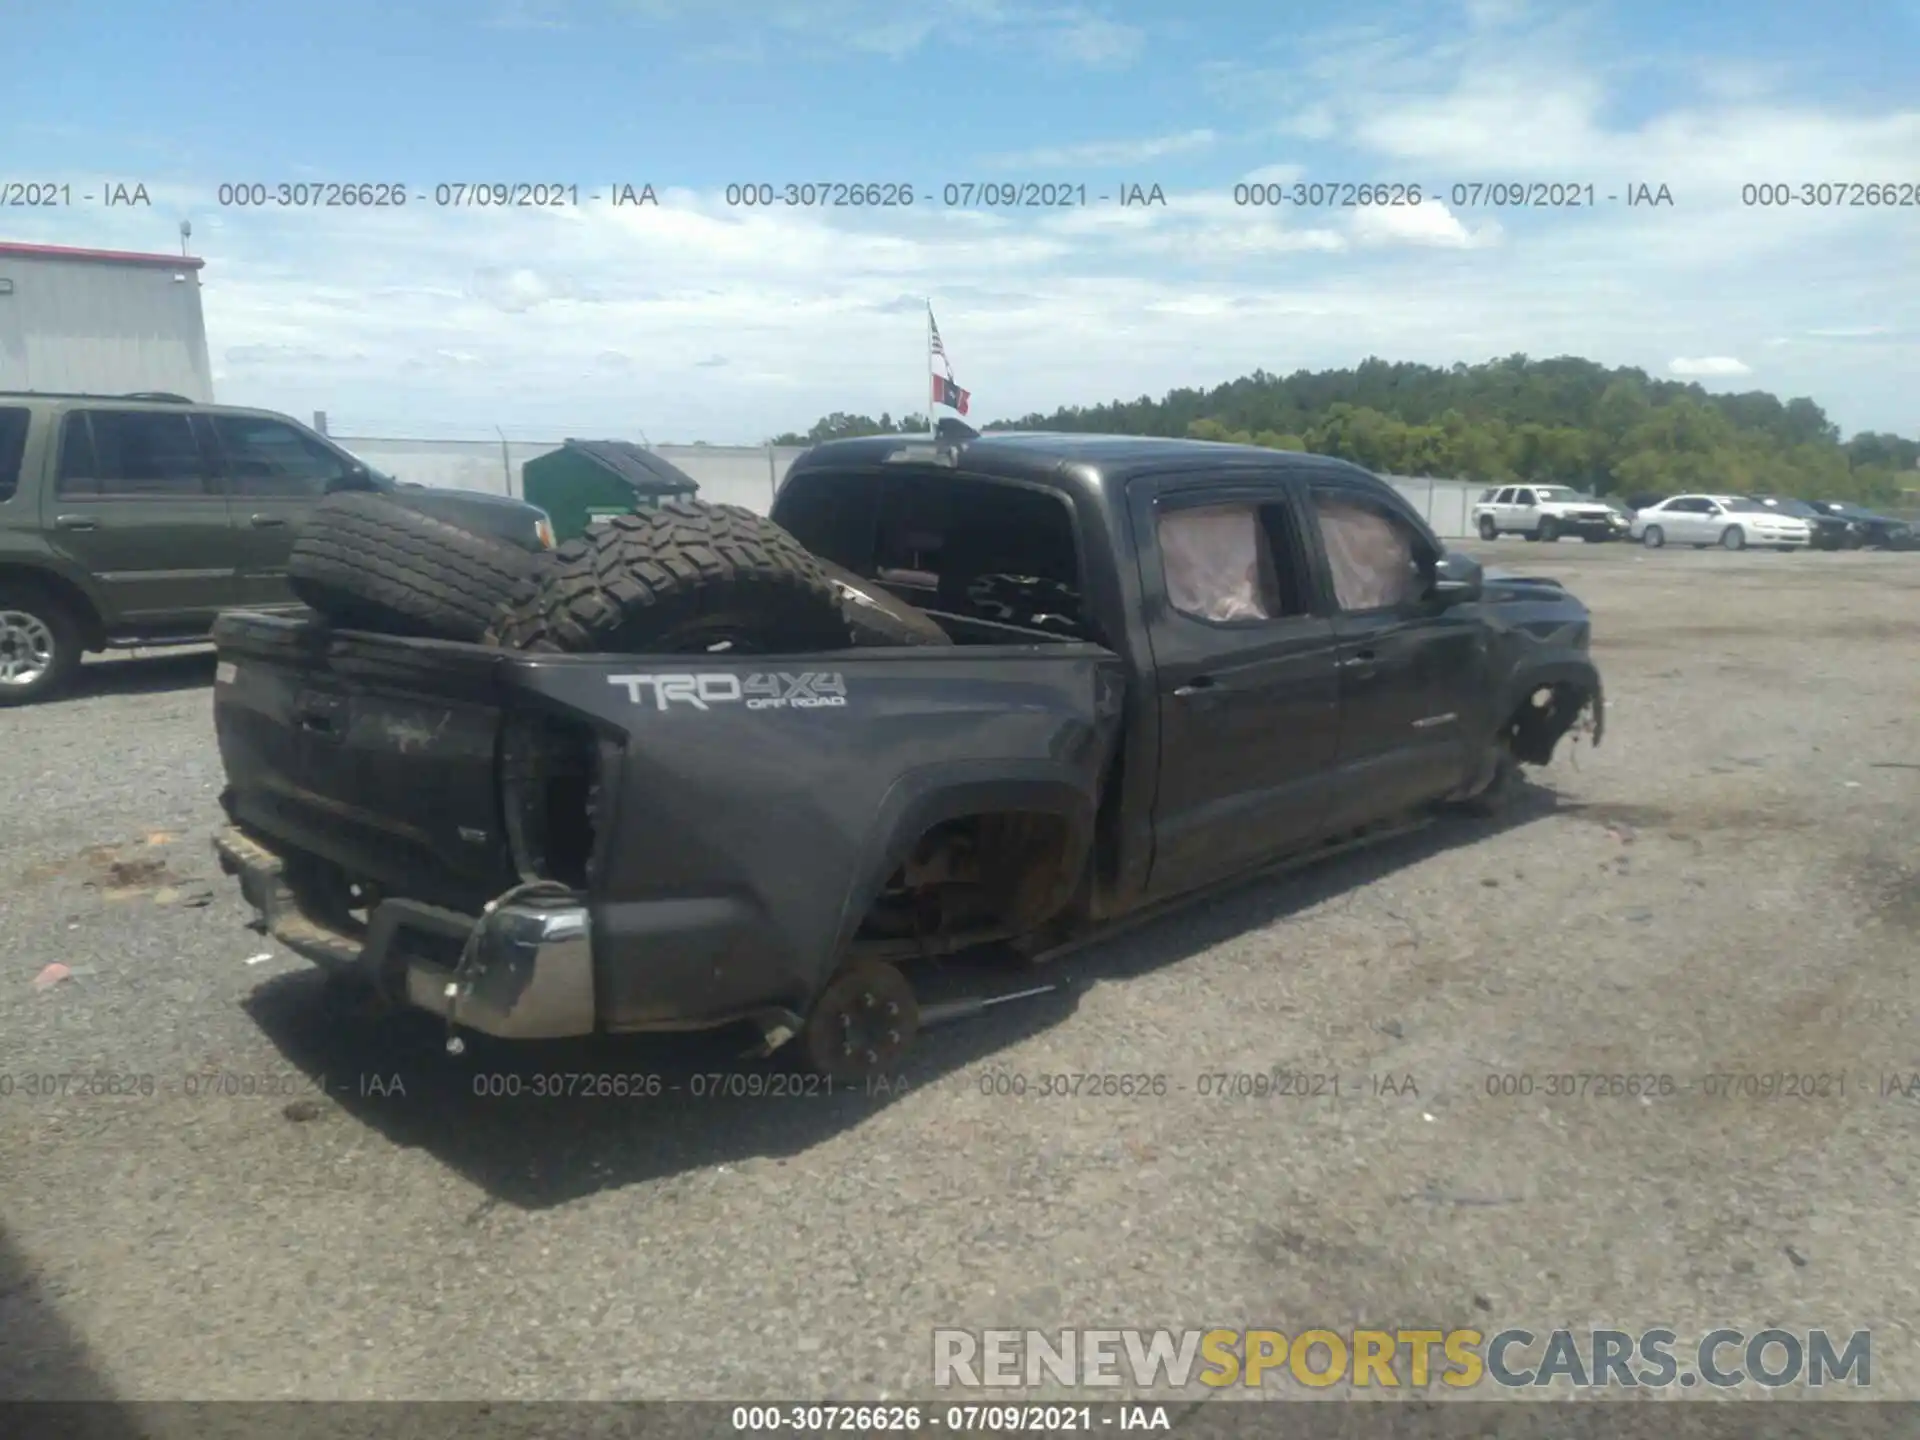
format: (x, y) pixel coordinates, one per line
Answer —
(1226, 658)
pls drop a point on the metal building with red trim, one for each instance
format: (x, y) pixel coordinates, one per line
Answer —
(101, 321)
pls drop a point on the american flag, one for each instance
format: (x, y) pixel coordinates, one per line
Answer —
(934, 343)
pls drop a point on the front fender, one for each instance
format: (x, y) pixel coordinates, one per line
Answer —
(1574, 683)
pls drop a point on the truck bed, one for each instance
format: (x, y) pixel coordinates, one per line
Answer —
(725, 822)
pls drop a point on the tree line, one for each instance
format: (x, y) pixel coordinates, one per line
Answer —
(1563, 421)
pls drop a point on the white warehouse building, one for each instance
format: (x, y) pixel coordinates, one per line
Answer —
(107, 322)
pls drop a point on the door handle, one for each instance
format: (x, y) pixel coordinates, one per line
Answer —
(265, 522)
(75, 522)
(1362, 661)
(1199, 685)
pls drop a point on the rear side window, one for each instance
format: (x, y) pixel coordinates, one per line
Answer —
(131, 453)
(270, 457)
(1230, 562)
(77, 473)
(13, 448)
(1217, 563)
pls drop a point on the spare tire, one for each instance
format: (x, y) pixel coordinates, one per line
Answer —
(680, 577)
(876, 616)
(370, 561)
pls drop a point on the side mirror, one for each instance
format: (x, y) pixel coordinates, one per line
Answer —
(1456, 578)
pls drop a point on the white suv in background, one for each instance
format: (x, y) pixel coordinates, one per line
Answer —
(1546, 512)
(1731, 521)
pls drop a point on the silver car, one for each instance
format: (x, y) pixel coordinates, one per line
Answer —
(1732, 522)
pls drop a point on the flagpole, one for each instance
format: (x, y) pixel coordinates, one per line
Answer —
(926, 380)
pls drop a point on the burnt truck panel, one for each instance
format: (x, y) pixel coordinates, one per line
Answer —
(546, 845)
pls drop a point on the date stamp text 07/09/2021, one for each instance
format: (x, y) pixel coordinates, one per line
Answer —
(479, 194)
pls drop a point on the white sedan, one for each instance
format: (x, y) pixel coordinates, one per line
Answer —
(1731, 521)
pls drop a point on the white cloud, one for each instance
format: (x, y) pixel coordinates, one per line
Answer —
(1429, 224)
(1274, 175)
(1097, 42)
(1104, 154)
(1707, 366)
(767, 30)
(514, 291)
(526, 15)
(1491, 13)
(894, 38)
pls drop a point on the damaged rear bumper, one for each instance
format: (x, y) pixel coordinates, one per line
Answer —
(527, 976)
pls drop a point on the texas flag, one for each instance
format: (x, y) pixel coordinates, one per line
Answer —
(945, 392)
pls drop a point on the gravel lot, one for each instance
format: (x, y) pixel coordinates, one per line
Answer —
(1729, 885)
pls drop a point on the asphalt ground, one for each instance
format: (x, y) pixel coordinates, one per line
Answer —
(312, 1203)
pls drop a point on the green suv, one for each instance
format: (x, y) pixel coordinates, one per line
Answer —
(136, 519)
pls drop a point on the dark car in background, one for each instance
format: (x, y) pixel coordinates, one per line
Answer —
(1867, 529)
(1830, 532)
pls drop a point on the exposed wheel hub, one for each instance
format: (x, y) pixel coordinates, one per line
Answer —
(862, 1023)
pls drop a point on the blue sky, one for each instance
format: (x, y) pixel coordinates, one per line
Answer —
(697, 320)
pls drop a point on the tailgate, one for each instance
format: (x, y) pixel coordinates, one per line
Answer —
(377, 753)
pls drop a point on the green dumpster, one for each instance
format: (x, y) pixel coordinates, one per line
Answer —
(588, 480)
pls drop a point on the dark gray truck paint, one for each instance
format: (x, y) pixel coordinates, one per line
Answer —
(747, 813)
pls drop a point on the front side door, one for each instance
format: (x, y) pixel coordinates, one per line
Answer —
(1409, 666)
(136, 503)
(1503, 508)
(1690, 519)
(1714, 521)
(275, 473)
(1525, 514)
(1248, 702)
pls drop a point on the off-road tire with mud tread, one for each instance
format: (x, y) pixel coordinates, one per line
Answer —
(666, 579)
(370, 561)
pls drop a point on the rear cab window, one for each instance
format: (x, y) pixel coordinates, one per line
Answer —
(1226, 562)
(988, 549)
(13, 447)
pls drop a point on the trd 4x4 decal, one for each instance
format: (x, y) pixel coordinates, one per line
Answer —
(774, 690)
